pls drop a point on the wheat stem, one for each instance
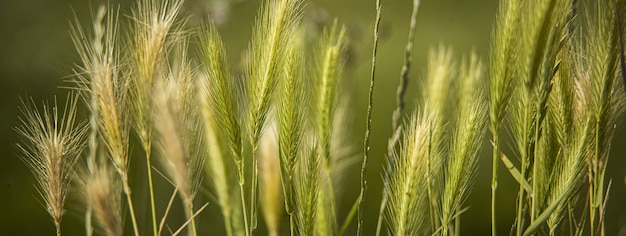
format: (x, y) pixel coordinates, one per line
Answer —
(129, 199)
(243, 207)
(151, 187)
(368, 126)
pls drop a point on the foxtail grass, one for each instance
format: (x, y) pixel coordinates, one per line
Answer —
(554, 68)
(179, 134)
(500, 84)
(100, 76)
(329, 66)
(153, 20)
(407, 212)
(51, 145)
(275, 29)
(102, 193)
(291, 120)
(221, 114)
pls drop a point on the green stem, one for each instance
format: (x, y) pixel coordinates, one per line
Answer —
(190, 215)
(254, 190)
(131, 207)
(151, 186)
(533, 211)
(369, 121)
(494, 176)
(227, 222)
(243, 200)
(457, 226)
(88, 222)
(57, 224)
(524, 157)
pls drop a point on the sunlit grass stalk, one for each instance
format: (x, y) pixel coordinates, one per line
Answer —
(152, 22)
(330, 66)
(275, 29)
(306, 191)
(271, 200)
(218, 172)
(463, 155)
(221, 117)
(437, 97)
(51, 145)
(606, 97)
(291, 119)
(399, 111)
(501, 81)
(99, 74)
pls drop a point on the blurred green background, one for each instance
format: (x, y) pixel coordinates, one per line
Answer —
(36, 54)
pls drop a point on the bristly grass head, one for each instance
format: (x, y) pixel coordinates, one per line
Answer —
(102, 192)
(153, 21)
(466, 142)
(51, 145)
(275, 29)
(178, 127)
(502, 61)
(99, 75)
(307, 190)
(407, 210)
(329, 68)
(217, 91)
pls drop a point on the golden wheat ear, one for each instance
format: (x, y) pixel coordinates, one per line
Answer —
(51, 144)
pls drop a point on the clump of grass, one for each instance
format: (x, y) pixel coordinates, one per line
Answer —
(51, 145)
(553, 117)
(556, 87)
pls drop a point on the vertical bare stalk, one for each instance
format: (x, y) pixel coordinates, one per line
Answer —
(368, 125)
(399, 111)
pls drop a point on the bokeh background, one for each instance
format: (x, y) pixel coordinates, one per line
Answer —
(36, 55)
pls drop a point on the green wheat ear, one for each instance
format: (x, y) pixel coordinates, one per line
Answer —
(407, 211)
(462, 163)
(275, 29)
(222, 127)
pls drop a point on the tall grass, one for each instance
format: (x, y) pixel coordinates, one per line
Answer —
(276, 135)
